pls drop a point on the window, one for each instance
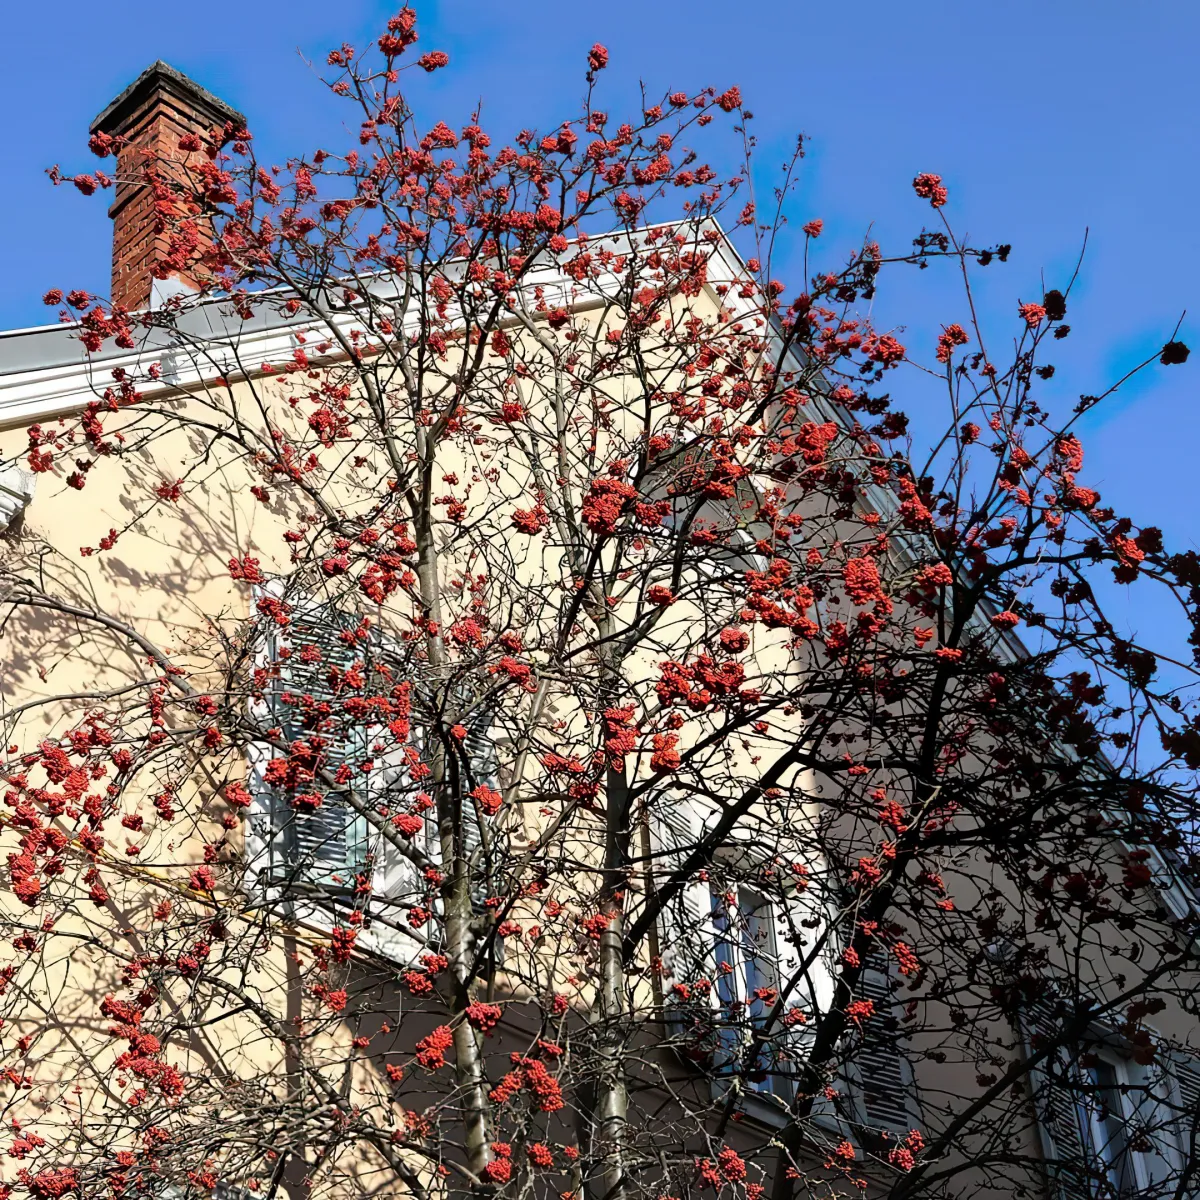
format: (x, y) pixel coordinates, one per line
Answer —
(736, 550)
(746, 990)
(731, 518)
(309, 846)
(730, 951)
(1111, 1128)
(757, 940)
(16, 494)
(224, 1190)
(1107, 1117)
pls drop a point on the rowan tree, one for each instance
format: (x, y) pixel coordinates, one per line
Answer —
(627, 763)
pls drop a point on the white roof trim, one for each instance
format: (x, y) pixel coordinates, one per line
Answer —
(45, 393)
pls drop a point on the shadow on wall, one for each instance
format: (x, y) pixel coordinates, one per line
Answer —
(166, 577)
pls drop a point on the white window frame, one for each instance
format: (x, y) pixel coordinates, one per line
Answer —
(691, 950)
(16, 495)
(734, 1002)
(786, 912)
(1142, 1096)
(1097, 1140)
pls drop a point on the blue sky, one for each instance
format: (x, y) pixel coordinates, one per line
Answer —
(1045, 119)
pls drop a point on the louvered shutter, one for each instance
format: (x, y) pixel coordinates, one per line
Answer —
(1186, 1122)
(327, 846)
(1057, 1098)
(884, 1073)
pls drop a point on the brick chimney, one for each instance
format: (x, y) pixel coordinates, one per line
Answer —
(151, 115)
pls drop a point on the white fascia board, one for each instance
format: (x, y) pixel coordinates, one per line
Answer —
(46, 393)
(43, 394)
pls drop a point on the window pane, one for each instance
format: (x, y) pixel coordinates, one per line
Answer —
(1107, 1131)
(729, 964)
(762, 976)
(758, 942)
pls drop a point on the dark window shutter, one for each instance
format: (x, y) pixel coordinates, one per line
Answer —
(1057, 1098)
(1187, 1077)
(324, 847)
(1186, 1070)
(884, 1075)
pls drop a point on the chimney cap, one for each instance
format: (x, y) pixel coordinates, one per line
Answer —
(161, 76)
